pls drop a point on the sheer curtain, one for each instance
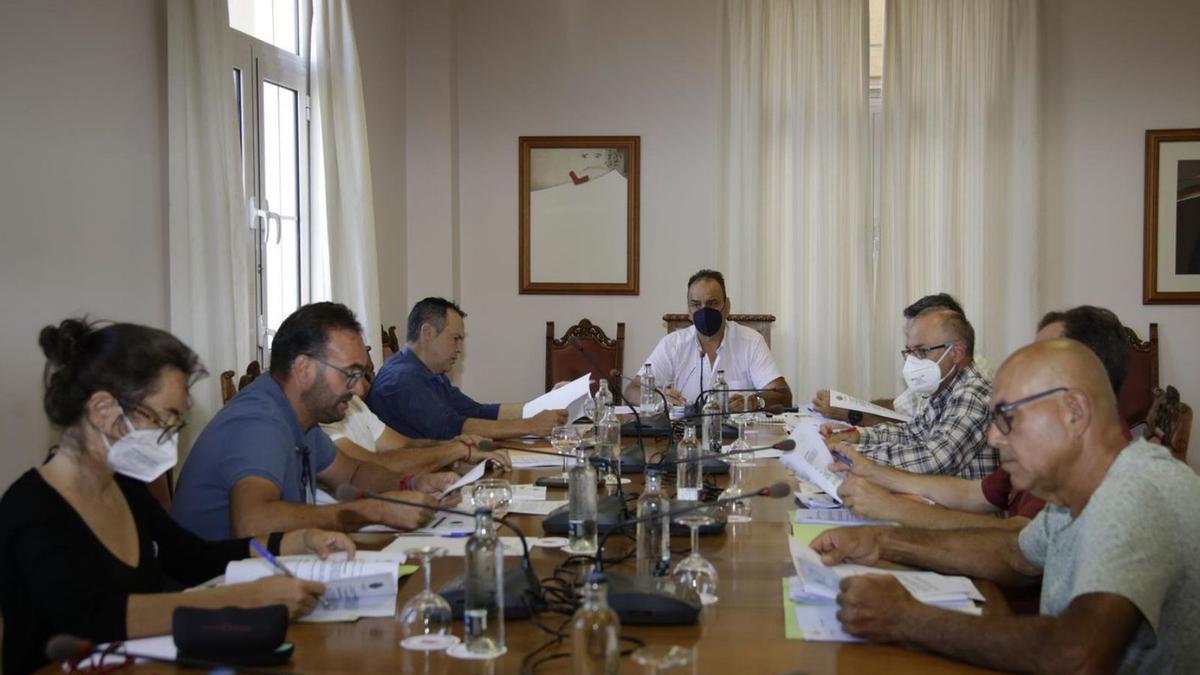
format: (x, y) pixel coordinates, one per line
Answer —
(959, 193)
(344, 266)
(210, 247)
(795, 237)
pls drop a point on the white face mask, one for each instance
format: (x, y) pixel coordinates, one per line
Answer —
(139, 455)
(922, 375)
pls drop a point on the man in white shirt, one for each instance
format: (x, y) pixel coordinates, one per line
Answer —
(686, 361)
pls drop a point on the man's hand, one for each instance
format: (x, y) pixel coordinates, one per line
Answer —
(859, 465)
(865, 498)
(404, 517)
(542, 423)
(836, 433)
(849, 544)
(312, 540)
(433, 483)
(499, 459)
(875, 607)
(674, 397)
(471, 440)
(820, 403)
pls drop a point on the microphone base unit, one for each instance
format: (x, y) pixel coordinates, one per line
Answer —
(655, 426)
(652, 601)
(711, 466)
(633, 461)
(608, 518)
(517, 587)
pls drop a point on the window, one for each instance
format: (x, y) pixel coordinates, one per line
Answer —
(271, 80)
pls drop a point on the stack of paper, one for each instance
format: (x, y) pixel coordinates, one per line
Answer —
(530, 460)
(834, 517)
(530, 500)
(811, 459)
(569, 397)
(365, 586)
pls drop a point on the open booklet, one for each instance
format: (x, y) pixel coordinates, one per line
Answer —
(363, 587)
(811, 459)
(839, 400)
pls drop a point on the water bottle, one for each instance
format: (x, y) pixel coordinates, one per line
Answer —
(595, 631)
(710, 423)
(608, 441)
(649, 396)
(589, 408)
(604, 399)
(653, 536)
(689, 470)
(721, 391)
(483, 610)
(581, 510)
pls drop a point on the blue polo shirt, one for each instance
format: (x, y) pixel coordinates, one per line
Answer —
(255, 434)
(411, 399)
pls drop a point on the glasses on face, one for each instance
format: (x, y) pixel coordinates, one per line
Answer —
(169, 430)
(1002, 412)
(352, 375)
(922, 351)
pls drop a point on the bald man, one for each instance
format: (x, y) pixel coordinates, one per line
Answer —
(1115, 547)
(948, 436)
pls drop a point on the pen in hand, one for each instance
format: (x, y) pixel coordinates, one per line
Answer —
(274, 562)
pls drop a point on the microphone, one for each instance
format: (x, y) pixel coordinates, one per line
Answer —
(617, 375)
(63, 647)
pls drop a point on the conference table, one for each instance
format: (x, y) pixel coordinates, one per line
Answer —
(743, 631)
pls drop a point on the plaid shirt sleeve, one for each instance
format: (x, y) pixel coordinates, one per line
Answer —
(951, 441)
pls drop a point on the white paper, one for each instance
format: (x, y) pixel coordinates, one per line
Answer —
(530, 507)
(312, 568)
(819, 623)
(455, 546)
(161, 646)
(528, 492)
(569, 397)
(839, 400)
(623, 410)
(356, 597)
(529, 460)
(470, 477)
(834, 517)
(811, 459)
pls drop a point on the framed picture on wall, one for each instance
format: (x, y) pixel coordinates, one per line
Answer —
(1171, 266)
(579, 214)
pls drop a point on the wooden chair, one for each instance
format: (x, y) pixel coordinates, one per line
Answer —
(1170, 422)
(1141, 379)
(565, 362)
(759, 322)
(391, 343)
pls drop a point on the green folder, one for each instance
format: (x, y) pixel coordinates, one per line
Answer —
(805, 534)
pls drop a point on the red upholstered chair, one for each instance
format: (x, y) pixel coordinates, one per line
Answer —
(391, 343)
(564, 362)
(1137, 393)
(1170, 422)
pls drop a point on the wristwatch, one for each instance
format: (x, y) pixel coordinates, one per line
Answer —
(854, 417)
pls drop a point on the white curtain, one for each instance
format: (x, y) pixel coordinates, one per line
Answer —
(344, 267)
(960, 169)
(795, 237)
(210, 246)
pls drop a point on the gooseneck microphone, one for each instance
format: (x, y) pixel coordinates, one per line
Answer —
(74, 649)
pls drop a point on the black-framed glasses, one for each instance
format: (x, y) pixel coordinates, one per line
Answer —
(352, 375)
(922, 351)
(169, 430)
(1002, 412)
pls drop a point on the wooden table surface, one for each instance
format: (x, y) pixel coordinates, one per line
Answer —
(745, 629)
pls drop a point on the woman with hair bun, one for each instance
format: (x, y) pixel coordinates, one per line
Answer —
(84, 548)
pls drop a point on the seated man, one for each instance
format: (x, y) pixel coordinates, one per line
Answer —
(255, 467)
(869, 487)
(413, 395)
(363, 436)
(948, 437)
(1115, 547)
(908, 402)
(685, 362)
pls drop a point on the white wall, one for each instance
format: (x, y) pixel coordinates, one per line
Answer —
(82, 187)
(481, 74)
(1114, 69)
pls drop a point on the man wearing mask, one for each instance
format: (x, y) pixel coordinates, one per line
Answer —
(686, 361)
(949, 435)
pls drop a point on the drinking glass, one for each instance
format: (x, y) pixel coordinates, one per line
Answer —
(564, 439)
(738, 511)
(494, 493)
(694, 571)
(425, 619)
(657, 658)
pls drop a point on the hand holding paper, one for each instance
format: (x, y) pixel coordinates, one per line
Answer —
(839, 400)
(569, 397)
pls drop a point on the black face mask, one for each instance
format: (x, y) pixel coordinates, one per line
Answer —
(707, 321)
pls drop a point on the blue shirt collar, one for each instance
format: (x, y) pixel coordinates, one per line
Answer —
(273, 391)
(407, 357)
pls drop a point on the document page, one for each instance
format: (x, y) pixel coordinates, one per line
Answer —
(569, 397)
(839, 400)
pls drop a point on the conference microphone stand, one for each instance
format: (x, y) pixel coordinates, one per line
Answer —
(74, 649)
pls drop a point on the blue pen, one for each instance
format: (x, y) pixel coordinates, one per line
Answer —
(266, 555)
(456, 535)
(841, 458)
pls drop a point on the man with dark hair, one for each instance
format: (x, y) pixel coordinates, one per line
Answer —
(908, 402)
(948, 437)
(685, 362)
(412, 394)
(255, 467)
(1099, 329)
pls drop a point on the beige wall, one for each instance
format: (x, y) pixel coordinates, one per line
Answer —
(82, 187)
(1114, 69)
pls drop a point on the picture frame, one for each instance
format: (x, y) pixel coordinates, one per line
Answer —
(1171, 248)
(579, 214)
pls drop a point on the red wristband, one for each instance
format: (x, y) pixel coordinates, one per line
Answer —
(406, 483)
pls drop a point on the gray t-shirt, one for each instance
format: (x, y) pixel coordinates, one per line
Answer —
(1138, 537)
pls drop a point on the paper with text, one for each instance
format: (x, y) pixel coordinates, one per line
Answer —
(839, 400)
(455, 546)
(811, 459)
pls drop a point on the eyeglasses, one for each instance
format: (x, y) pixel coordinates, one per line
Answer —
(169, 431)
(352, 376)
(922, 351)
(1002, 412)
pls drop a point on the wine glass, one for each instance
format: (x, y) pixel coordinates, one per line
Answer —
(493, 493)
(425, 619)
(694, 571)
(564, 439)
(738, 511)
(657, 658)
(738, 452)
